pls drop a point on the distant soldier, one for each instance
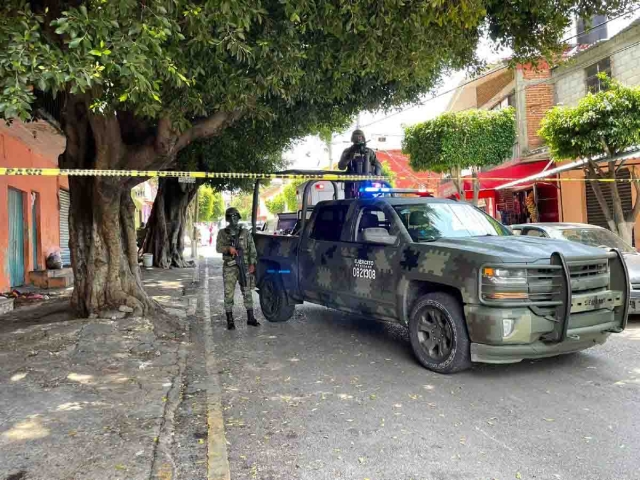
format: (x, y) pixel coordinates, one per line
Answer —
(358, 159)
(239, 257)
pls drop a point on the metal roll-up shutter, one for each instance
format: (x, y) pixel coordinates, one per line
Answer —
(594, 212)
(64, 227)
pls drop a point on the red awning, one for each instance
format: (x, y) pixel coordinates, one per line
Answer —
(501, 175)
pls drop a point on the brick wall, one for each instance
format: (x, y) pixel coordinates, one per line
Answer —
(539, 99)
(490, 88)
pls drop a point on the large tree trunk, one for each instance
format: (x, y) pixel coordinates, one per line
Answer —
(103, 247)
(166, 226)
(101, 223)
(101, 216)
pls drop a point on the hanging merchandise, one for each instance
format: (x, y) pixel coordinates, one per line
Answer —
(531, 206)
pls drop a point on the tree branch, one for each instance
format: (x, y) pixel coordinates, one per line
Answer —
(606, 147)
(591, 173)
(620, 166)
(594, 166)
(633, 214)
(209, 127)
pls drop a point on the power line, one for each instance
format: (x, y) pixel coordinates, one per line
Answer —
(461, 85)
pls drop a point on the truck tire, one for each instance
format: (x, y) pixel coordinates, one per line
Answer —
(273, 300)
(438, 333)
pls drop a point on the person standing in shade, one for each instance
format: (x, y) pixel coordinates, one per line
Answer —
(229, 242)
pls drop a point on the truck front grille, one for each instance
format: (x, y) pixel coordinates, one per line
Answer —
(590, 277)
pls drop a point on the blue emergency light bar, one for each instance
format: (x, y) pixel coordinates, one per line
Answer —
(422, 193)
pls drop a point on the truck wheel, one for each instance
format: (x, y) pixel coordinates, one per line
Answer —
(438, 333)
(273, 300)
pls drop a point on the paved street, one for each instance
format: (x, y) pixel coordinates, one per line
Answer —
(328, 395)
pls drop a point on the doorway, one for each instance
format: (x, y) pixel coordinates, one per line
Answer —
(16, 238)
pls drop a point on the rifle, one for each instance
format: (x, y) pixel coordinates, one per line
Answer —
(242, 278)
(360, 162)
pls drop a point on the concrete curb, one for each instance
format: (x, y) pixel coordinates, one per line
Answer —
(218, 462)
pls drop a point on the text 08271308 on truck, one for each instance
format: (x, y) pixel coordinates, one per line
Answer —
(466, 288)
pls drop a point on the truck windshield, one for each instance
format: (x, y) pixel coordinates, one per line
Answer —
(431, 221)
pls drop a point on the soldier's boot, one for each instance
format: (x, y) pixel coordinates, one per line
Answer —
(251, 320)
(230, 323)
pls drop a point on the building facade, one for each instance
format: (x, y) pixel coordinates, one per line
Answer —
(530, 186)
(33, 210)
(527, 89)
(619, 57)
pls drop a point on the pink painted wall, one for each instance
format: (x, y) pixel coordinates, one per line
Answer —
(15, 152)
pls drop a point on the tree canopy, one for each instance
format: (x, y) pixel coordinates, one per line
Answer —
(183, 61)
(472, 138)
(598, 129)
(455, 141)
(602, 124)
(276, 204)
(205, 203)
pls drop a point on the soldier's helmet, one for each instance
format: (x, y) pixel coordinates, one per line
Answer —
(231, 211)
(357, 133)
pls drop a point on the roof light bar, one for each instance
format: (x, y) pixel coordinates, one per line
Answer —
(420, 192)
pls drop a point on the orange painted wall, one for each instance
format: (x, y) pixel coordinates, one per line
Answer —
(15, 153)
(573, 199)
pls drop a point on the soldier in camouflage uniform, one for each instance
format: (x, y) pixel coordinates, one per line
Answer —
(233, 233)
(358, 152)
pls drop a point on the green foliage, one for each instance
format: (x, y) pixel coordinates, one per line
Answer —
(205, 203)
(186, 60)
(290, 195)
(390, 174)
(243, 202)
(276, 204)
(453, 141)
(218, 207)
(605, 123)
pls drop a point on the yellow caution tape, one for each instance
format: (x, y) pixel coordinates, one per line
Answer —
(56, 172)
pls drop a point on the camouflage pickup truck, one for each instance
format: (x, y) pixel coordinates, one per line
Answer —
(466, 288)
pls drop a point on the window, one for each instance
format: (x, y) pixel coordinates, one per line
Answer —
(370, 217)
(509, 101)
(594, 85)
(329, 222)
(534, 232)
(594, 237)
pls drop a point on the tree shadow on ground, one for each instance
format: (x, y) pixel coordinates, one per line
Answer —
(53, 311)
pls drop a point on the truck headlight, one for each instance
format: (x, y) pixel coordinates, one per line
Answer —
(503, 284)
(505, 276)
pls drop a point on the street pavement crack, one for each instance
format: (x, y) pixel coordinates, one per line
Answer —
(162, 457)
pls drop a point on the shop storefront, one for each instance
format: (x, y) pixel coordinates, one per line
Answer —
(537, 202)
(533, 202)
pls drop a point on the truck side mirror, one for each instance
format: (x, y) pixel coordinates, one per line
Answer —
(378, 235)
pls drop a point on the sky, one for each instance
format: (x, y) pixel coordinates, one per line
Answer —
(311, 153)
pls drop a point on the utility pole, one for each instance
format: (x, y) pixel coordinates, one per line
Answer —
(329, 145)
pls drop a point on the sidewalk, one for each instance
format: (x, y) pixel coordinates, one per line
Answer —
(97, 398)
